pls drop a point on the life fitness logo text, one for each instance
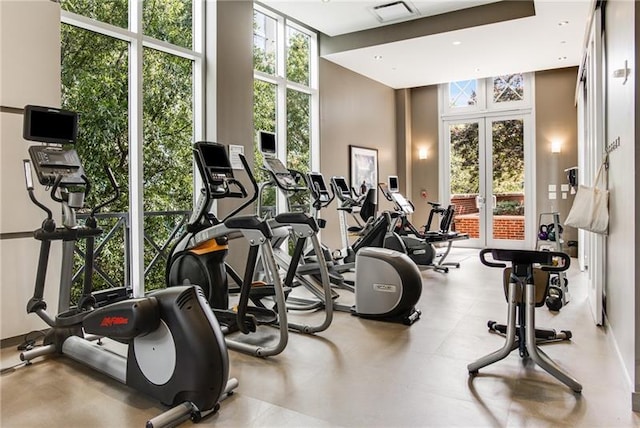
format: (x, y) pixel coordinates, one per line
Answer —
(111, 321)
(387, 288)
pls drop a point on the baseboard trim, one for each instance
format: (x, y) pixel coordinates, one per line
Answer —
(635, 401)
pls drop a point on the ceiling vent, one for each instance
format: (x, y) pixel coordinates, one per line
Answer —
(394, 11)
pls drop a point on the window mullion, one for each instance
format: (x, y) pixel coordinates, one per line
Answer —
(96, 26)
(136, 160)
(169, 48)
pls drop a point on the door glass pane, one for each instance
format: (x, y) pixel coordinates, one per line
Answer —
(264, 43)
(95, 84)
(298, 142)
(298, 56)
(508, 179)
(169, 20)
(114, 12)
(264, 119)
(465, 177)
(168, 163)
(463, 93)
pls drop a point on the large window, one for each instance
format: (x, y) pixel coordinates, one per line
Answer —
(132, 69)
(285, 97)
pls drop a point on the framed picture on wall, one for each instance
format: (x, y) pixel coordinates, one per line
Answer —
(363, 168)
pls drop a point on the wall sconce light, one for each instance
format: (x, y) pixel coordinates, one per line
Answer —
(556, 146)
(422, 154)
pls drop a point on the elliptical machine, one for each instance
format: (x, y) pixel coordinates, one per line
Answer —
(199, 256)
(387, 283)
(175, 351)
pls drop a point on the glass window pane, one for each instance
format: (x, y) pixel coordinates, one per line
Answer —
(264, 43)
(169, 20)
(508, 88)
(168, 164)
(298, 142)
(508, 179)
(298, 56)
(465, 176)
(264, 119)
(463, 93)
(114, 12)
(95, 84)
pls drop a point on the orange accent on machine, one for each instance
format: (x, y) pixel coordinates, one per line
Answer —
(210, 246)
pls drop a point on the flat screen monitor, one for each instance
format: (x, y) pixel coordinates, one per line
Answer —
(215, 158)
(50, 125)
(317, 181)
(341, 185)
(392, 184)
(268, 143)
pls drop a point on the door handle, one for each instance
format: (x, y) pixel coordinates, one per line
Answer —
(495, 201)
(480, 201)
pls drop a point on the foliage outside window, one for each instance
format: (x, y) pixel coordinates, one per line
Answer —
(508, 156)
(464, 158)
(96, 71)
(283, 97)
(95, 84)
(508, 88)
(169, 20)
(114, 12)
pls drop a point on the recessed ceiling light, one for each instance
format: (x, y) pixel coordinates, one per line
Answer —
(563, 23)
(477, 69)
(457, 42)
(377, 57)
(562, 42)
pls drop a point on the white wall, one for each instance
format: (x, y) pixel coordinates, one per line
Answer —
(621, 276)
(30, 74)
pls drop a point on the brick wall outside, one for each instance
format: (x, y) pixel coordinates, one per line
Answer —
(504, 226)
(466, 204)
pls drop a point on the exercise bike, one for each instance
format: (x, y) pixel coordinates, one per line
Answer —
(175, 351)
(525, 286)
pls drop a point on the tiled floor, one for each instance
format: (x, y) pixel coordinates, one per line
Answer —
(363, 373)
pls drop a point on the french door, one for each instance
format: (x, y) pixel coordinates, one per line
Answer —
(487, 175)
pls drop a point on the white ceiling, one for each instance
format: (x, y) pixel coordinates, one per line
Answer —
(521, 45)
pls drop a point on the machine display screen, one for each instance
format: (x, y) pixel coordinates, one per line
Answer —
(393, 184)
(317, 180)
(215, 158)
(341, 184)
(268, 143)
(49, 125)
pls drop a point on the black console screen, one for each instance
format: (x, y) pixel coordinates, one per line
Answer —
(268, 143)
(215, 157)
(50, 125)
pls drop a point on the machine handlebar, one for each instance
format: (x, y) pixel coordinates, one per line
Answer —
(526, 257)
(114, 185)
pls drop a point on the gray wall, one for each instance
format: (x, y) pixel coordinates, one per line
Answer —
(354, 110)
(556, 118)
(621, 108)
(234, 103)
(424, 134)
(30, 74)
